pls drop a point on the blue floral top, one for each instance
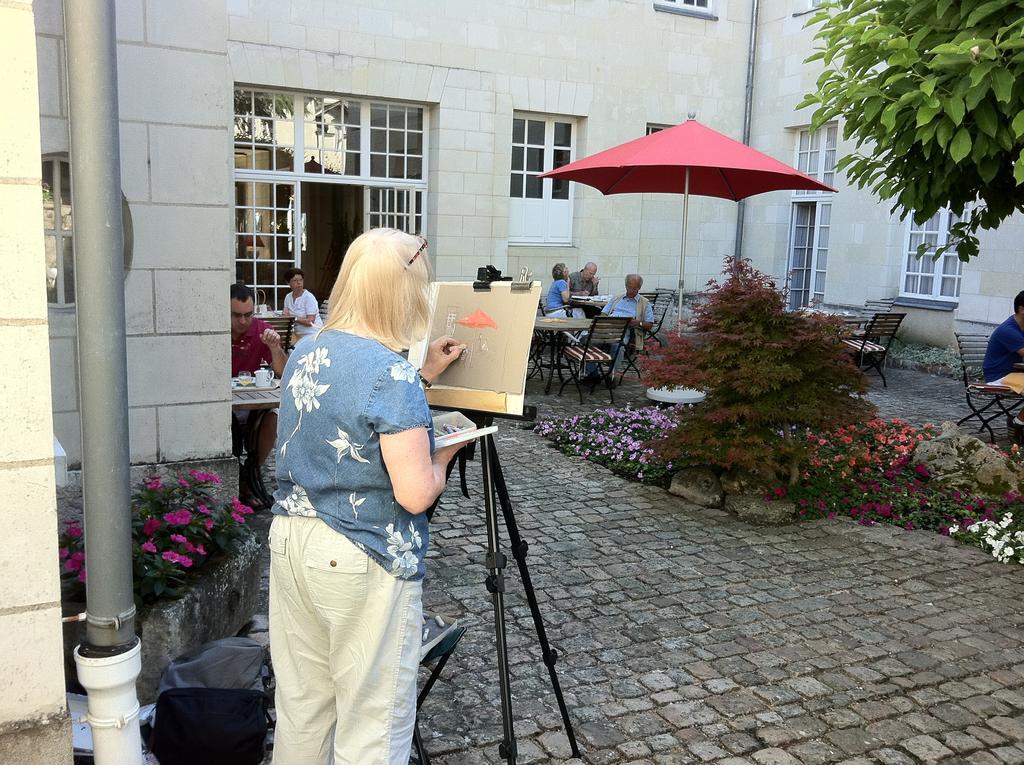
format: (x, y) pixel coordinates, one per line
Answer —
(342, 392)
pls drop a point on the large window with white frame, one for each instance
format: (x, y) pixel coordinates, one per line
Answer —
(925, 276)
(283, 139)
(811, 217)
(540, 210)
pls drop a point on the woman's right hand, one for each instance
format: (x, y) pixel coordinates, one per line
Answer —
(441, 353)
(446, 454)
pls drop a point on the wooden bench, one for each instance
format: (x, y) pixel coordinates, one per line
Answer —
(870, 346)
(987, 402)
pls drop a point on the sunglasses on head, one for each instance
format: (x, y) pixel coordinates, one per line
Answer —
(423, 246)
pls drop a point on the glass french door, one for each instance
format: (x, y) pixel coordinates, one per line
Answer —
(808, 252)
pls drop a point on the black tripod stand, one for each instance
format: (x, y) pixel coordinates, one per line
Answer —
(495, 493)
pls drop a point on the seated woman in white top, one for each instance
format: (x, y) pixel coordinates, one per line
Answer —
(301, 304)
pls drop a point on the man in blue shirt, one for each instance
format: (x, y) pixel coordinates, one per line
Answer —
(636, 307)
(1006, 345)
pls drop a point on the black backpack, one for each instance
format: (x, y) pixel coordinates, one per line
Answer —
(212, 707)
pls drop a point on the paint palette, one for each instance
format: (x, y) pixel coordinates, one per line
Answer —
(453, 428)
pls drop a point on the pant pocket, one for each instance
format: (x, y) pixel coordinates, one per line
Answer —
(335, 571)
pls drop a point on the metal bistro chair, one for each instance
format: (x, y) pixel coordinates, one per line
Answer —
(539, 348)
(604, 331)
(986, 402)
(664, 302)
(283, 326)
(872, 346)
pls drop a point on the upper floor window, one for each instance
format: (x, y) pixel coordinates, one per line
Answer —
(540, 210)
(816, 154)
(926, 277)
(58, 232)
(655, 127)
(687, 7)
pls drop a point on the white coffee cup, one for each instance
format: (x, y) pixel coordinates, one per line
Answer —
(264, 378)
(261, 309)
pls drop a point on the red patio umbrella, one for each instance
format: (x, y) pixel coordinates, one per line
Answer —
(688, 158)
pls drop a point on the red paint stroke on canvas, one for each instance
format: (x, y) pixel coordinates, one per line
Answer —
(478, 320)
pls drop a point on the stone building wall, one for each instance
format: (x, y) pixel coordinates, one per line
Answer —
(33, 720)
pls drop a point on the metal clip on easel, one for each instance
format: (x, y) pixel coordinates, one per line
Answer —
(524, 281)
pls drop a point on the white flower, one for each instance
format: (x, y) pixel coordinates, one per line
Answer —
(312, 361)
(953, 529)
(297, 503)
(305, 391)
(343, 444)
(402, 557)
(403, 370)
(352, 500)
(415, 535)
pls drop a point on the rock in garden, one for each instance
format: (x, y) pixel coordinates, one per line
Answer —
(966, 463)
(699, 486)
(754, 508)
(749, 482)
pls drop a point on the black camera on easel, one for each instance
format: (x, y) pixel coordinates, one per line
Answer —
(487, 274)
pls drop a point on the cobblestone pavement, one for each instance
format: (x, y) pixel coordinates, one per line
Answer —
(688, 636)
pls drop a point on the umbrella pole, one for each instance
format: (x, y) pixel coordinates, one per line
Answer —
(682, 246)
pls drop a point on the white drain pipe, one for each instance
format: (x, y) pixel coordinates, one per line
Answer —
(113, 706)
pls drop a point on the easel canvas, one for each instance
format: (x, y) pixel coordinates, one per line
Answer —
(496, 326)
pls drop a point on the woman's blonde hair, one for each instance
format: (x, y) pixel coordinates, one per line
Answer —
(379, 294)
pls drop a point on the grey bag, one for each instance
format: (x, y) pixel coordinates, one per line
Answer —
(229, 663)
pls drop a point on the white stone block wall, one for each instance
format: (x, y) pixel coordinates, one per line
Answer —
(612, 66)
(175, 117)
(31, 667)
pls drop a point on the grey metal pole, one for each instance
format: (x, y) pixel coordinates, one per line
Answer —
(748, 104)
(99, 296)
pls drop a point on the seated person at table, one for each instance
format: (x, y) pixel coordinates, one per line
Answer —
(585, 281)
(1006, 348)
(1006, 345)
(636, 307)
(301, 304)
(557, 301)
(252, 343)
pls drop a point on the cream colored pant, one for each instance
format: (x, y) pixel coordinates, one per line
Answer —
(345, 642)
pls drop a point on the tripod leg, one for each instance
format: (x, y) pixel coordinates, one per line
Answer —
(519, 548)
(496, 586)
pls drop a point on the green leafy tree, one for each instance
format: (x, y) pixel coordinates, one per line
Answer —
(933, 92)
(769, 374)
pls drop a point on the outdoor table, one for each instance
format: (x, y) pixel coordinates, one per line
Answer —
(591, 305)
(554, 327)
(245, 436)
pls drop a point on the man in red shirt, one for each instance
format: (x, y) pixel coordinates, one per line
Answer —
(252, 343)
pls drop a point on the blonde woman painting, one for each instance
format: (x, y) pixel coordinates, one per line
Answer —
(356, 470)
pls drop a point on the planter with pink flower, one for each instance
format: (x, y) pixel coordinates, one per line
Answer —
(195, 562)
